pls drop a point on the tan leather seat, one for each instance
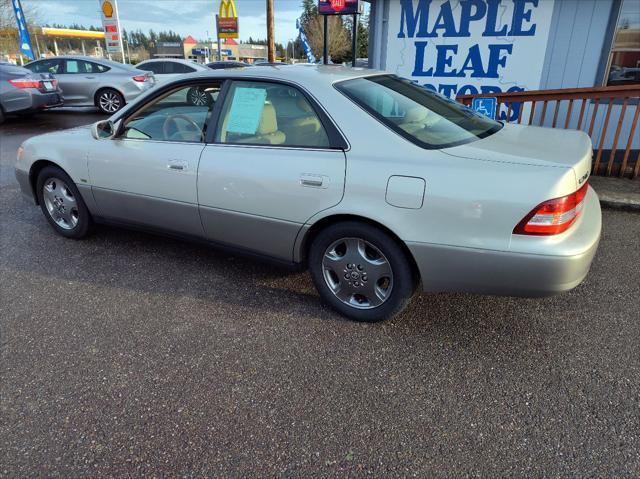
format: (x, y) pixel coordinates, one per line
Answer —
(267, 132)
(305, 130)
(415, 120)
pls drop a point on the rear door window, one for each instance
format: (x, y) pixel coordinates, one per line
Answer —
(175, 67)
(154, 67)
(263, 113)
(46, 66)
(84, 67)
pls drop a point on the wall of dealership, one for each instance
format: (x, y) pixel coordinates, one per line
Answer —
(482, 46)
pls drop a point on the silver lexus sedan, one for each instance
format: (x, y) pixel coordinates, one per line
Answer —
(375, 184)
(90, 81)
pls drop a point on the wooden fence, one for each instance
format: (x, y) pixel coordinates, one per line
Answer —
(578, 108)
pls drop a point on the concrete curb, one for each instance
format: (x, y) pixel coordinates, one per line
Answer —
(617, 193)
(616, 204)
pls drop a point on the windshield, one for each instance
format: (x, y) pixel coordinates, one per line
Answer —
(423, 117)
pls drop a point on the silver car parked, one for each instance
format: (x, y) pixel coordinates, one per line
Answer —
(376, 184)
(89, 81)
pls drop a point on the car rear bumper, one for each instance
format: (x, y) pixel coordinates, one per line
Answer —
(29, 100)
(562, 267)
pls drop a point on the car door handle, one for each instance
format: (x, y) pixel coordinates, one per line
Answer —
(177, 165)
(313, 181)
(90, 78)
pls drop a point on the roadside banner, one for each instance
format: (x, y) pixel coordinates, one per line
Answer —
(311, 58)
(111, 25)
(25, 40)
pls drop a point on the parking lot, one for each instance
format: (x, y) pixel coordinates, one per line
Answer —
(129, 354)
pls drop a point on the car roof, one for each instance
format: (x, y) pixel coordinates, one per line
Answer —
(103, 61)
(175, 60)
(306, 74)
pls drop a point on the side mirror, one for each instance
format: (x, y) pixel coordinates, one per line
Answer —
(104, 130)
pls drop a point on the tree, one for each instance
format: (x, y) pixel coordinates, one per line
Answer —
(313, 25)
(363, 35)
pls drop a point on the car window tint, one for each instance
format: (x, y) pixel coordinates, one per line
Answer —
(422, 116)
(96, 68)
(264, 113)
(179, 115)
(154, 67)
(45, 66)
(175, 67)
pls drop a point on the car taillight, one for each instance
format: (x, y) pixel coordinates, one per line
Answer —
(554, 216)
(26, 83)
(140, 78)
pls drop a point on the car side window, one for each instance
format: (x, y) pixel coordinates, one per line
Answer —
(83, 67)
(175, 67)
(45, 66)
(263, 113)
(154, 67)
(179, 115)
(96, 68)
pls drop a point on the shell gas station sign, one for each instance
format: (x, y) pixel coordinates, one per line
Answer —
(227, 20)
(111, 25)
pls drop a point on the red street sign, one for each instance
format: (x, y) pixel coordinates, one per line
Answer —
(338, 7)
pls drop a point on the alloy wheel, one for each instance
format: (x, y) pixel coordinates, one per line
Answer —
(60, 203)
(110, 101)
(198, 97)
(357, 273)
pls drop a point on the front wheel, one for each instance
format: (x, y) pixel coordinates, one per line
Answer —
(361, 271)
(62, 203)
(109, 101)
(199, 97)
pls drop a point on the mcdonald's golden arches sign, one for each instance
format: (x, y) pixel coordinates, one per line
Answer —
(227, 20)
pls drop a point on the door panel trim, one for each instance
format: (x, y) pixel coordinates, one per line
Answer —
(149, 210)
(267, 236)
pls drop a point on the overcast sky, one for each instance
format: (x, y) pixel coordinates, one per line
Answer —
(186, 17)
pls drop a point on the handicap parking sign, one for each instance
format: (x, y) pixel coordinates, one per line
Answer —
(485, 106)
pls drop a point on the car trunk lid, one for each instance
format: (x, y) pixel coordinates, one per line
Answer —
(532, 145)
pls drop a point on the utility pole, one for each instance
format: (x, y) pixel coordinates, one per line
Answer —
(325, 40)
(271, 44)
(218, 33)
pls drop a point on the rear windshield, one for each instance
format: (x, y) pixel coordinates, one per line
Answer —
(423, 117)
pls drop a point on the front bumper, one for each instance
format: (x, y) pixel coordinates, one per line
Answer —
(25, 185)
(550, 266)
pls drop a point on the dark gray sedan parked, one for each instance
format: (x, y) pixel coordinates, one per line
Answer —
(89, 81)
(23, 92)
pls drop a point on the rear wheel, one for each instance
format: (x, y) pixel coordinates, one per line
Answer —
(361, 271)
(62, 203)
(109, 101)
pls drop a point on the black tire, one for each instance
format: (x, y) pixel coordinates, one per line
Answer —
(72, 196)
(402, 278)
(109, 101)
(198, 97)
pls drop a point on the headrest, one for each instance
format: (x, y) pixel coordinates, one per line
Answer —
(415, 115)
(303, 104)
(268, 122)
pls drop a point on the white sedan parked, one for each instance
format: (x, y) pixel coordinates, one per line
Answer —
(376, 184)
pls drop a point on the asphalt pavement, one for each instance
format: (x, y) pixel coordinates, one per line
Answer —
(127, 354)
